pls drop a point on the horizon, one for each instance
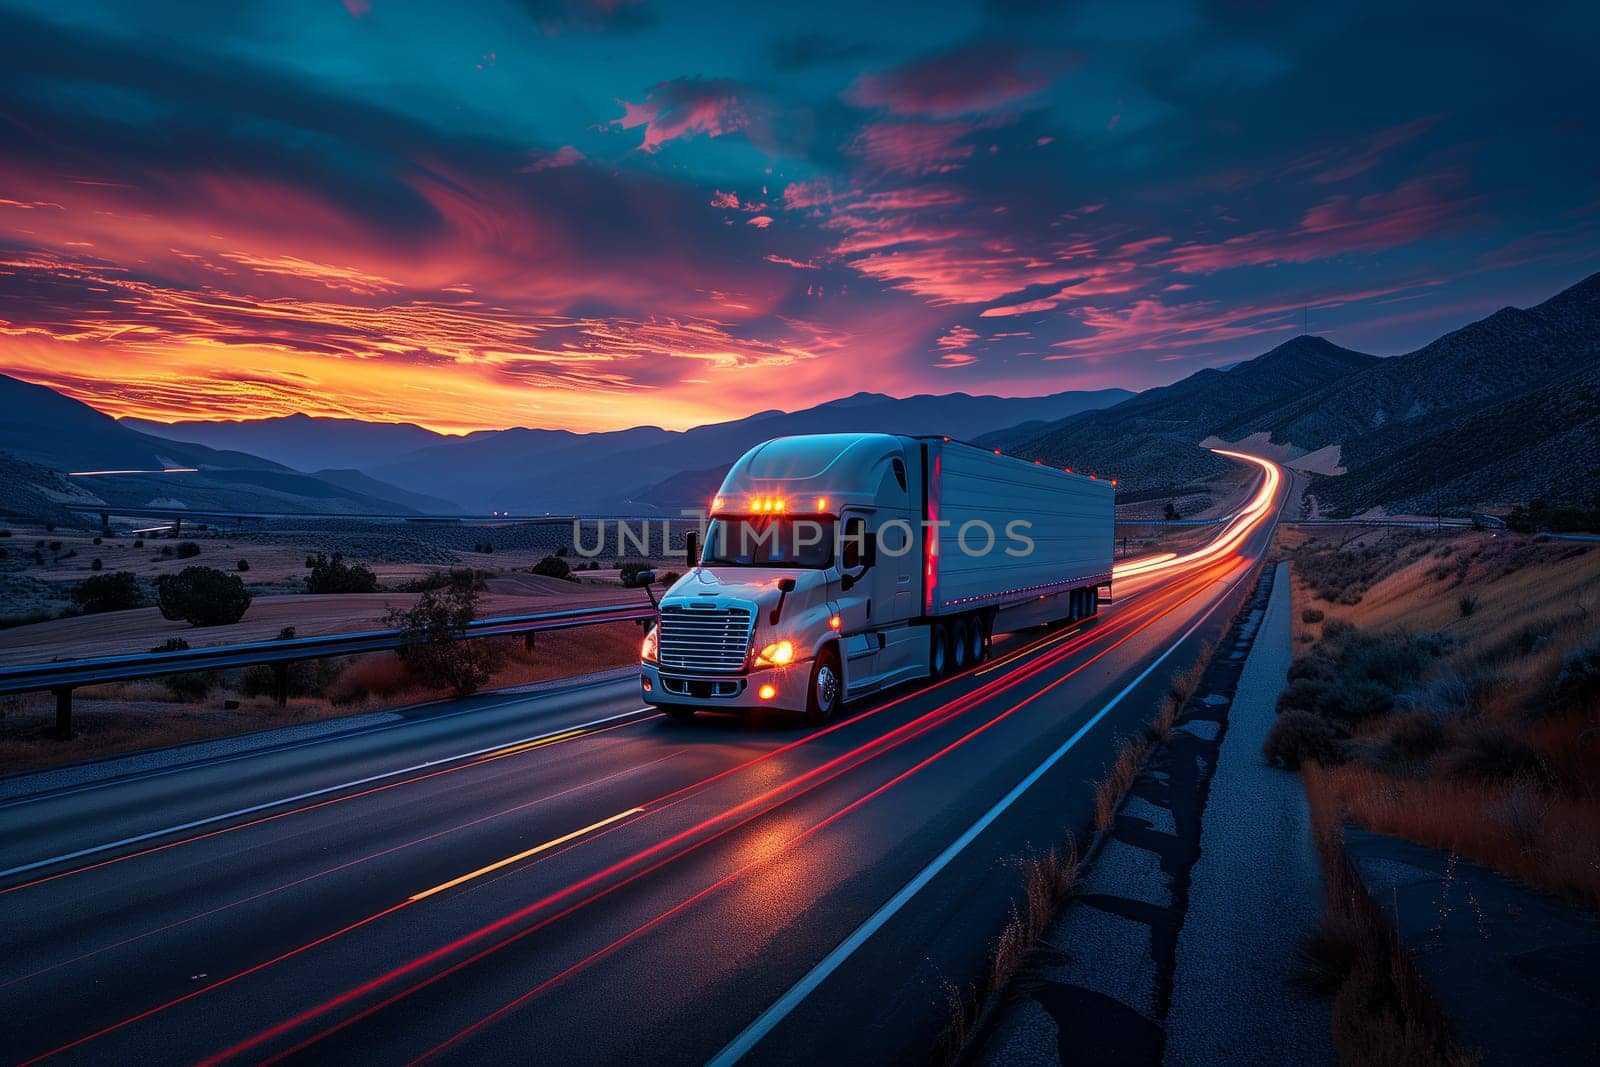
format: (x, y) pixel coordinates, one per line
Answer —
(563, 214)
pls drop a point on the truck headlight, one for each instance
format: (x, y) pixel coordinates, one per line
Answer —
(647, 651)
(777, 654)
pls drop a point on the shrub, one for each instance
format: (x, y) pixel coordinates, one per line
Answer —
(242, 565)
(1311, 615)
(202, 596)
(138, 542)
(336, 576)
(97, 564)
(1578, 681)
(1299, 737)
(1488, 752)
(552, 567)
(191, 686)
(172, 644)
(438, 654)
(55, 546)
(97, 540)
(286, 634)
(670, 578)
(442, 579)
(306, 678)
(1416, 736)
(108, 592)
(166, 551)
(561, 550)
(188, 550)
(1467, 604)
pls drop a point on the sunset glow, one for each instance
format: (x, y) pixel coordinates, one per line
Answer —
(554, 217)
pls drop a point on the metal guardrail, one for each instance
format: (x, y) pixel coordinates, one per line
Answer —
(63, 676)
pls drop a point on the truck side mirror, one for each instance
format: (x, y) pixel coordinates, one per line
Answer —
(691, 548)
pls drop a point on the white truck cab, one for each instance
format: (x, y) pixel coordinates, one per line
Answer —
(827, 573)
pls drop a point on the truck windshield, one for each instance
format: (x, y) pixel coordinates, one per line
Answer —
(769, 541)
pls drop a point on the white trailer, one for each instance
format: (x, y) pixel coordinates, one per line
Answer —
(839, 565)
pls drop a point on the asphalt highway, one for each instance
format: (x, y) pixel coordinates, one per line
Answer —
(569, 877)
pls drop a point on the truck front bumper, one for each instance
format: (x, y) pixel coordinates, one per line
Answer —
(766, 687)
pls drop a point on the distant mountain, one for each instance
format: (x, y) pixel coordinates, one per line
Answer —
(304, 442)
(1151, 441)
(1507, 353)
(1500, 411)
(556, 471)
(40, 426)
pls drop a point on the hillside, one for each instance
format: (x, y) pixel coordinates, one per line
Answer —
(41, 427)
(1542, 443)
(1150, 442)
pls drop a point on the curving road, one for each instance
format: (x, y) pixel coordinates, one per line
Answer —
(569, 877)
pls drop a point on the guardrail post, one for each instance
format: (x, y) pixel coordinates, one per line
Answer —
(63, 713)
(280, 683)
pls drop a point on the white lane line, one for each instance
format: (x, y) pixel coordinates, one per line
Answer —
(254, 808)
(780, 1009)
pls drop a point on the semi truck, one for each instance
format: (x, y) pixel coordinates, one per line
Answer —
(835, 566)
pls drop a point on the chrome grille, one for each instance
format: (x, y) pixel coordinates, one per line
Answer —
(704, 639)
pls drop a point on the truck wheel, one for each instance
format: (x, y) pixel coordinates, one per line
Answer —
(822, 697)
(977, 641)
(959, 650)
(677, 713)
(938, 651)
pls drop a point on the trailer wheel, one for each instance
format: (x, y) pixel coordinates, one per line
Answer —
(977, 640)
(959, 658)
(822, 696)
(938, 651)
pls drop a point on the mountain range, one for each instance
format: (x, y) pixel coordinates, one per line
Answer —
(635, 470)
(1504, 410)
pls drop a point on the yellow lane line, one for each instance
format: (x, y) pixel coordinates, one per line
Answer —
(534, 851)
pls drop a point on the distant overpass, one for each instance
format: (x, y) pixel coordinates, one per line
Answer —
(177, 515)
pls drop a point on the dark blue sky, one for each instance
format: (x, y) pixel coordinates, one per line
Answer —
(604, 213)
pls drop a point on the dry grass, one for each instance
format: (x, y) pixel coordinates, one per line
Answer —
(1383, 1013)
(1483, 755)
(131, 716)
(1048, 881)
(1124, 770)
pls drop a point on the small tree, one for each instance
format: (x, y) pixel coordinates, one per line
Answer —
(437, 652)
(552, 567)
(1172, 511)
(202, 596)
(188, 550)
(336, 576)
(118, 591)
(243, 565)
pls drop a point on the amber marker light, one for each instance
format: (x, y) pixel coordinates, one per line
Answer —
(834, 622)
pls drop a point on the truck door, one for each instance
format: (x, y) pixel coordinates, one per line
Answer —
(861, 606)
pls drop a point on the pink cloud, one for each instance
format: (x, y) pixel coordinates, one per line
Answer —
(682, 107)
(357, 8)
(565, 156)
(729, 201)
(1417, 208)
(798, 264)
(914, 148)
(968, 80)
(1027, 307)
(760, 222)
